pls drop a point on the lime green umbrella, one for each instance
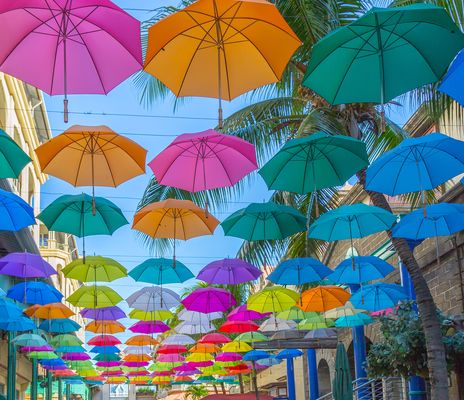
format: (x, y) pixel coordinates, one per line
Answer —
(79, 364)
(94, 268)
(272, 299)
(157, 315)
(385, 53)
(315, 162)
(315, 321)
(65, 340)
(94, 297)
(42, 355)
(251, 337)
(12, 158)
(294, 314)
(342, 385)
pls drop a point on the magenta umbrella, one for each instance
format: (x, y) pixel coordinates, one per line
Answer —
(203, 161)
(108, 364)
(148, 327)
(170, 358)
(135, 364)
(241, 313)
(208, 300)
(228, 357)
(199, 364)
(25, 265)
(69, 47)
(186, 367)
(229, 271)
(75, 356)
(28, 349)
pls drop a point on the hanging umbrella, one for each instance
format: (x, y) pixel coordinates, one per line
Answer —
(343, 311)
(9, 310)
(199, 357)
(153, 298)
(15, 213)
(228, 357)
(104, 313)
(104, 349)
(25, 265)
(315, 321)
(342, 385)
(236, 347)
(323, 298)
(360, 269)
(137, 357)
(141, 340)
(70, 349)
(251, 337)
(209, 300)
(160, 315)
(170, 358)
(34, 293)
(148, 327)
(52, 311)
(289, 353)
(242, 313)
(160, 271)
(238, 326)
(42, 355)
(205, 348)
(325, 333)
(29, 339)
(193, 328)
(293, 314)
(174, 219)
(87, 47)
(214, 338)
(412, 165)
(268, 362)
(91, 156)
(12, 158)
(198, 317)
(255, 355)
(272, 299)
(179, 339)
(65, 340)
(171, 349)
(353, 320)
(298, 271)
(138, 349)
(28, 349)
(107, 357)
(378, 296)
(212, 65)
(375, 42)
(59, 325)
(93, 269)
(105, 327)
(229, 272)
(135, 364)
(452, 83)
(94, 296)
(18, 324)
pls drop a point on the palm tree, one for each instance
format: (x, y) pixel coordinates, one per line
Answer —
(196, 392)
(287, 110)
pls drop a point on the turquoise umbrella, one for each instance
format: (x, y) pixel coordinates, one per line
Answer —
(342, 385)
(160, 271)
(59, 325)
(29, 340)
(18, 324)
(12, 158)
(15, 213)
(350, 321)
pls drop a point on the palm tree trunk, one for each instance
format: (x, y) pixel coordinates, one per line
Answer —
(436, 358)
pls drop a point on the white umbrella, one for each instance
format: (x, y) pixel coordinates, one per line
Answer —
(198, 317)
(323, 333)
(179, 339)
(273, 324)
(343, 311)
(138, 350)
(192, 328)
(153, 298)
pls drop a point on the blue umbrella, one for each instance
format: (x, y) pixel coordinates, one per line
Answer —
(18, 325)
(104, 349)
(453, 82)
(322, 333)
(378, 296)
(360, 269)
(15, 213)
(442, 219)
(2, 293)
(9, 310)
(416, 164)
(350, 321)
(54, 362)
(298, 271)
(59, 325)
(255, 355)
(34, 293)
(289, 353)
(269, 362)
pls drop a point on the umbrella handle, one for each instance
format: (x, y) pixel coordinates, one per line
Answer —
(65, 111)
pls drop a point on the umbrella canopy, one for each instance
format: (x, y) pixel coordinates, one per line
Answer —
(452, 83)
(255, 355)
(171, 349)
(298, 271)
(229, 272)
(236, 347)
(289, 353)
(209, 300)
(207, 160)
(343, 311)
(93, 269)
(294, 314)
(274, 324)
(65, 340)
(9, 310)
(214, 338)
(325, 333)
(70, 349)
(25, 265)
(412, 165)
(138, 349)
(198, 317)
(378, 296)
(193, 328)
(315, 162)
(92, 156)
(18, 324)
(251, 337)
(153, 298)
(107, 357)
(141, 340)
(353, 320)
(42, 355)
(360, 269)
(179, 339)
(59, 325)
(105, 327)
(315, 321)
(170, 358)
(12, 158)
(264, 221)
(342, 385)
(323, 298)
(151, 315)
(338, 64)
(351, 221)
(442, 219)
(94, 296)
(242, 313)
(103, 313)
(29, 339)
(228, 357)
(148, 327)
(273, 299)
(52, 311)
(34, 293)
(268, 362)
(15, 213)
(161, 271)
(238, 326)
(104, 349)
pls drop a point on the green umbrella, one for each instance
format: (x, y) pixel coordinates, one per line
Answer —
(314, 162)
(42, 355)
(315, 321)
(95, 268)
(94, 297)
(294, 314)
(385, 53)
(79, 364)
(12, 158)
(251, 337)
(65, 340)
(342, 385)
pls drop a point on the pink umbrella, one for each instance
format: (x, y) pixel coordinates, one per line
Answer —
(69, 47)
(108, 364)
(75, 356)
(135, 363)
(203, 161)
(148, 327)
(241, 313)
(170, 358)
(208, 300)
(185, 367)
(214, 338)
(228, 357)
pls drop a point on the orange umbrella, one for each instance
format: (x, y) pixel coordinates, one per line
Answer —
(30, 311)
(102, 326)
(205, 348)
(92, 156)
(49, 311)
(137, 357)
(174, 219)
(141, 340)
(323, 298)
(220, 49)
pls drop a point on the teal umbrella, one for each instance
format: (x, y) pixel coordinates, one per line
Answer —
(314, 162)
(342, 385)
(29, 340)
(385, 53)
(350, 321)
(160, 271)
(12, 158)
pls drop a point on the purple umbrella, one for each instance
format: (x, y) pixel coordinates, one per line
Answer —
(241, 313)
(75, 356)
(229, 271)
(186, 367)
(189, 372)
(28, 349)
(208, 300)
(55, 367)
(149, 327)
(103, 314)
(25, 265)
(227, 357)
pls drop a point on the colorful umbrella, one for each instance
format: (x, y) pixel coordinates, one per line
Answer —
(105, 327)
(273, 324)
(298, 271)
(272, 299)
(294, 314)
(251, 337)
(360, 269)
(18, 324)
(343, 311)
(229, 272)
(65, 340)
(93, 269)
(42, 355)
(59, 325)
(107, 357)
(315, 321)
(25, 265)
(452, 83)
(94, 296)
(160, 271)
(179, 339)
(228, 357)
(242, 313)
(52, 311)
(236, 347)
(29, 339)
(289, 353)
(194, 328)
(170, 358)
(141, 340)
(104, 313)
(104, 349)
(153, 298)
(198, 317)
(205, 348)
(70, 349)
(214, 338)
(9, 310)
(238, 326)
(12, 158)
(160, 315)
(323, 298)
(378, 296)
(209, 300)
(208, 160)
(171, 349)
(212, 65)
(148, 327)
(325, 333)
(88, 47)
(353, 320)
(15, 213)
(34, 293)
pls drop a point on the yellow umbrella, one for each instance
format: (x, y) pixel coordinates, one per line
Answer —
(220, 49)
(49, 311)
(272, 299)
(199, 357)
(157, 315)
(236, 347)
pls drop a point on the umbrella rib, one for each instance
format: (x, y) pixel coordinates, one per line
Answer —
(107, 163)
(220, 160)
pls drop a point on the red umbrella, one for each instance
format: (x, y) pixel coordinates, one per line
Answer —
(238, 327)
(214, 338)
(104, 340)
(171, 349)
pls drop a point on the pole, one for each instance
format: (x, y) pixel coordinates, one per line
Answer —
(291, 395)
(60, 389)
(312, 372)
(11, 370)
(255, 381)
(68, 391)
(34, 379)
(49, 385)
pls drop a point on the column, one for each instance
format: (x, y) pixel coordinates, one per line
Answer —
(290, 379)
(312, 371)
(60, 389)
(11, 370)
(34, 379)
(68, 391)
(49, 385)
